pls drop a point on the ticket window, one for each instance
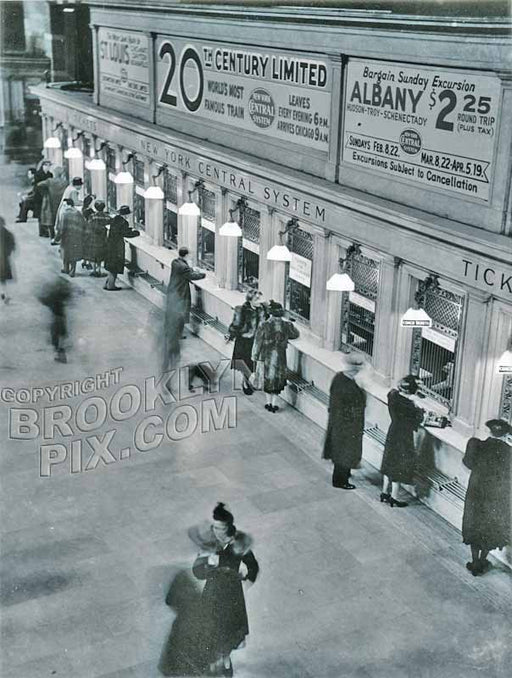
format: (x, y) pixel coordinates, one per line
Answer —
(110, 162)
(434, 349)
(358, 308)
(298, 275)
(170, 210)
(249, 250)
(139, 203)
(506, 399)
(206, 231)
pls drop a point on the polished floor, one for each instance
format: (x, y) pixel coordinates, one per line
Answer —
(348, 586)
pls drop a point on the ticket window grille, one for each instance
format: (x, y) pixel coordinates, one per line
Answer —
(206, 231)
(298, 278)
(171, 210)
(139, 203)
(357, 327)
(434, 350)
(110, 161)
(249, 252)
(86, 150)
(506, 399)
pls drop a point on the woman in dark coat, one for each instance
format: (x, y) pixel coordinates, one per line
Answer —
(224, 615)
(7, 247)
(51, 190)
(270, 344)
(114, 255)
(486, 524)
(399, 458)
(71, 236)
(96, 241)
(345, 429)
(246, 321)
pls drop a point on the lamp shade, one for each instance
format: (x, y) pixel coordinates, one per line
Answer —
(154, 193)
(189, 209)
(231, 229)
(340, 282)
(505, 363)
(73, 153)
(279, 253)
(52, 142)
(124, 178)
(416, 317)
(96, 164)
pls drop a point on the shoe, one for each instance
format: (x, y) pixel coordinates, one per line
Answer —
(21, 221)
(396, 502)
(113, 289)
(52, 242)
(385, 497)
(72, 274)
(274, 408)
(61, 356)
(268, 407)
(247, 389)
(473, 568)
(484, 565)
(345, 486)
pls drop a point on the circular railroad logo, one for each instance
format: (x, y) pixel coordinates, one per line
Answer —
(261, 108)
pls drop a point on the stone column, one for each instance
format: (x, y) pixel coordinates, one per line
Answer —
(99, 183)
(387, 319)
(277, 269)
(154, 208)
(470, 358)
(318, 290)
(333, 299)
(231, 251)
(331, 172)
(221, 211)
(188, 225)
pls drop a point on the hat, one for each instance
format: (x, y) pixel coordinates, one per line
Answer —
(353, 360)
(409, 384)
(99, 205)
(275, 308)
(77, 181)
(124, 209)
(498, 427)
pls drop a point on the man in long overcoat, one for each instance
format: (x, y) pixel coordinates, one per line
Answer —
(71, 237)
(71, 192)
(114, 254)
(51, 190)
(344, 439)
(179, 283)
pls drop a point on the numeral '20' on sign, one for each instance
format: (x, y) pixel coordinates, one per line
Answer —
(167, 97)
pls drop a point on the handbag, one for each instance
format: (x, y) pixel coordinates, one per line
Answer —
(257, 377)
(200, 566)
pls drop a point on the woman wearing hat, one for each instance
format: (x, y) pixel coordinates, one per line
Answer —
(114, 251)
(486, 523)
(399, 457)
(224, 624)
(270, 344)
(243, 328)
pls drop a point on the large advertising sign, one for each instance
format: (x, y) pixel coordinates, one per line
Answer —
(281, 95)
(433, 126)
(124, 66)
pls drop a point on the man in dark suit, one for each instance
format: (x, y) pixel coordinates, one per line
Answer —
(344, 439)
(179, 284)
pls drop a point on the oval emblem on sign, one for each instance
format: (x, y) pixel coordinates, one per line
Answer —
(261, 108)
(410, 141)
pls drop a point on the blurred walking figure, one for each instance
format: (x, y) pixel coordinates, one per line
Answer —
(179, 283)
(224, 624)
(246, 321)
(270, 344)
(7, 247)
(51, 191)
(87, 212)
(399, 459)
(96, 238)
(486, 524)
(56, 296)
(71, 235)
(174, 324)
(71, 192)
(344, 439)
(114, 254)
